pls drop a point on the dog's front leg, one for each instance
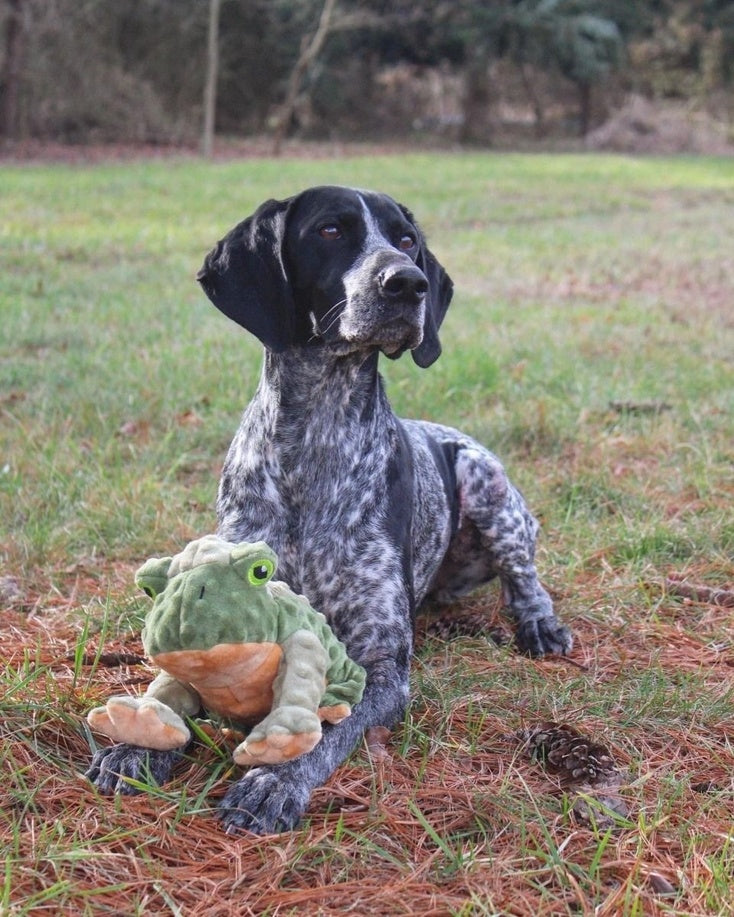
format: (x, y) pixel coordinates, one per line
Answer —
(273, 798)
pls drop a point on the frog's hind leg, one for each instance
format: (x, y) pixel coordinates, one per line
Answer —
(292, 727)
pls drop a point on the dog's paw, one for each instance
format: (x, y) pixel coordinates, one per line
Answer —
(543, 636)
(113, 768)
(264, 801)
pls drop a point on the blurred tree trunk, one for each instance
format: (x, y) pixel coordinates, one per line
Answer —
(12, 68)
(210, 87)
(534, 99)
(476, 103)
(584, 89)
(310, 50)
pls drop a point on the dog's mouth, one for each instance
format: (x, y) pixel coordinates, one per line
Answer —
(398, 335)
(371, 323)
(392, 335)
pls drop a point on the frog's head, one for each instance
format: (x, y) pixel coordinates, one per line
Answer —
(208, 594)
(152, 577)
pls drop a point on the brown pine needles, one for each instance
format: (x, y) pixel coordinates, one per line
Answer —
(454, 819)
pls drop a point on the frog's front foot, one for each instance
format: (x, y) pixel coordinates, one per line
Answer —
(142, 721)
(285, 733)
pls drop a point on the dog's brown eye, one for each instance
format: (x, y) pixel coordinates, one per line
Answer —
(330, 232)
(406, 243)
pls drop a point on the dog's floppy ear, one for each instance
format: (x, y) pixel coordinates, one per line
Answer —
(438, 299)
(440, 291)
(245, 277)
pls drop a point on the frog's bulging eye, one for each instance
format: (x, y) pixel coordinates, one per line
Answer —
(152, 577)
(260, 572)
(152, 584)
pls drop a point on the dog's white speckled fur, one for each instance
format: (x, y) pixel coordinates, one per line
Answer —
(369, 515)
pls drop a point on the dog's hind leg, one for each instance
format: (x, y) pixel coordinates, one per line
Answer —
(496, 536)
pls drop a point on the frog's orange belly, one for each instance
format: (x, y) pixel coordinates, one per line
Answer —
(233, 679)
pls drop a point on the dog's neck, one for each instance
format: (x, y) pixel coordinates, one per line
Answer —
(302, 383)
(312, 401)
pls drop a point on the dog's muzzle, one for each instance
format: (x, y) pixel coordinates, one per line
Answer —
(385, 303)
(403, 285)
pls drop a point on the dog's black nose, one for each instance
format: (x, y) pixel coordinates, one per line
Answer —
(406, 284)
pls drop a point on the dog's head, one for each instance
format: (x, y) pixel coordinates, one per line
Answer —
(332, 265)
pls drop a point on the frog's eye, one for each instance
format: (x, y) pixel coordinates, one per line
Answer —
(260, 572)
(152, 577)
(151, 583)
(254, 562)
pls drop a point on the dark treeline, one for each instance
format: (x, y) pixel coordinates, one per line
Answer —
(134, 70)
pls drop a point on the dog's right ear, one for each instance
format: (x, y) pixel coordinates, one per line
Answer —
(245, 277)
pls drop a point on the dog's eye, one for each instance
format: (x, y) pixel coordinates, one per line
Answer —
(406, 242)
(330, 232)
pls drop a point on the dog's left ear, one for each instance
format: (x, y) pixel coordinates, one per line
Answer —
(438, 299)
(244, 276)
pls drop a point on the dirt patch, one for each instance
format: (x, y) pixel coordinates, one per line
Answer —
(30, 151)
(642, 126)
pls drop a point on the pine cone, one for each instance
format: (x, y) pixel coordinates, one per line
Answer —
(586, 770)
(567, 752)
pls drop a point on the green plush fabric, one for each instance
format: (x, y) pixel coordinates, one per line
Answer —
(212, 595)
(217, 614)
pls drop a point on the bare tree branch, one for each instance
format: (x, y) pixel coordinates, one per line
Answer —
(310, 50)
(13, 65)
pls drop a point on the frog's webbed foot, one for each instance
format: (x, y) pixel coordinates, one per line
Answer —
(142, 721)
(335, 713)
(285, 733)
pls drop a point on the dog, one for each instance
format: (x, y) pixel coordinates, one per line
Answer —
(370, 516)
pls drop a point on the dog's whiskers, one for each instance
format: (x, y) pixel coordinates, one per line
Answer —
(319, 334)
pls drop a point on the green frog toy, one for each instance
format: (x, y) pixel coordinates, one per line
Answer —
(231, 640)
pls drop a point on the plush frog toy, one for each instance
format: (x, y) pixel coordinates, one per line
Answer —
(233, 641)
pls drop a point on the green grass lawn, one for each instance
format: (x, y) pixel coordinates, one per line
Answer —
(590, 344)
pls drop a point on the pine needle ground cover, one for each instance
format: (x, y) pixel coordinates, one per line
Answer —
(589, 344)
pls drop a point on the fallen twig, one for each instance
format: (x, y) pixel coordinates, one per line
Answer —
(708, 595)
(640, 407)
(110, 660)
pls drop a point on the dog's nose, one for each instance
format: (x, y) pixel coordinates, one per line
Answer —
(405, 284)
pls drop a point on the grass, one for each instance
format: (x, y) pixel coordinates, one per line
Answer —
(589, 345)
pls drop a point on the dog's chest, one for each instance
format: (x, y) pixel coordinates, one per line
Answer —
(313, 490)
(331, 485)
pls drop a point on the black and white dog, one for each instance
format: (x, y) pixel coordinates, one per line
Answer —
(369, 515)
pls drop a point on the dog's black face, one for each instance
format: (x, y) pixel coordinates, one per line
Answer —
(332, 265)
(353, 270)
